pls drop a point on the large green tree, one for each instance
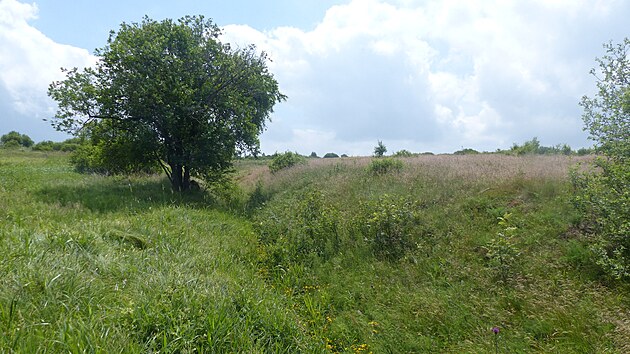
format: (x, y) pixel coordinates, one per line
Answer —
(16, 139)
(171, 87)
(604, 196)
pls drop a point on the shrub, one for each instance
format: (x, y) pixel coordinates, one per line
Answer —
(603, 196)
(45, 145)
(11, 144)
(403, 153)
(330, 155)
(112, 158)
(385, 165)
(285, 160)
(296, 232)
(466, 151)
(502, 252)
(389, 226)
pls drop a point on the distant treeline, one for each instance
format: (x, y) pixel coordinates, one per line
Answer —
(14, 139)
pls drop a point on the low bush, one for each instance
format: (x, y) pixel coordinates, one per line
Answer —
(389, 226)
(502, 252)
(285, 160)
(384, 165)
(296, 232)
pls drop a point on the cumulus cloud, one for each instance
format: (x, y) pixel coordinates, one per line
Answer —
(436, 75)
(421, 75)
(29, 62)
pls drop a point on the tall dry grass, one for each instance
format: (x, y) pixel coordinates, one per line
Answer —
(480, 168)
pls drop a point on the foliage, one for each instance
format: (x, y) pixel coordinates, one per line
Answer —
(110, 152)
(300, 232)
(67, 145)
(403, 153)
(380, 149)
(15, 139)
(584, 151)
(533, 147)
(390, 226)
(603, 196)
(330, 155)
(502, 250)
(189, 102)
(313, 155)
(285, 160)
(385, 165)
(467, 151)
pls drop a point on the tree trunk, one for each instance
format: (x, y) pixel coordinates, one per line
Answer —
(180, 178)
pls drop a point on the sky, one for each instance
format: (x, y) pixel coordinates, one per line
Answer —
(426, 75)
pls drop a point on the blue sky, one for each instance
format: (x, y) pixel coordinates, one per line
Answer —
(430, 75)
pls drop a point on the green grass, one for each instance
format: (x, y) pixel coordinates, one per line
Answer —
(291, 262)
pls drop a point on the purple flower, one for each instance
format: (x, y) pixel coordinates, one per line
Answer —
(495, 330)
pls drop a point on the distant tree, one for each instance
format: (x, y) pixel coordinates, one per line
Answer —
(467, 151)
(330, 155)
(584, 151)
(403, 153)
(344, 155)
(603, 196)
(15, 139)
(380, 149)
(168, 93)
(528, 148)
(313, 155)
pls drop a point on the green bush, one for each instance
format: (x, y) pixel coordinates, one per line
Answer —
(330, 155)
(403, 153)
(285, 160)
(384, 165)
(603, 195)
(298, 232)
(467, 151)
(389, 226)
(46, 145)
(109, 158)
(11, 144)
(502, 250)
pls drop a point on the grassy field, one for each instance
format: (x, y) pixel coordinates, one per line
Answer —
(323, 257)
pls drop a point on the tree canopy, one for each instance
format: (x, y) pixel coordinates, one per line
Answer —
(380, 149)
(170, 93)
(15, 139)
(607, 115)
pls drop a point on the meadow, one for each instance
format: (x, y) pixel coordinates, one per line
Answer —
(327, 256)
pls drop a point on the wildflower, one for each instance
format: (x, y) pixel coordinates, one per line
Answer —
(495, 330)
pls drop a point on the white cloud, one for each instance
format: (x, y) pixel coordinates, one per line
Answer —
(418, 74)
(438, 74)
(29, 62)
